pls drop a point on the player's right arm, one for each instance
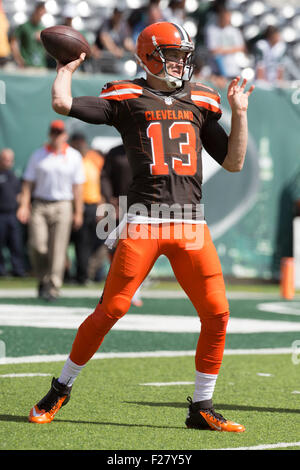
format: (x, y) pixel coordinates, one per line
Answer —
(91, 109)
(61, 89)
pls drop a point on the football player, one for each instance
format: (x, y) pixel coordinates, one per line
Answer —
(164, 121)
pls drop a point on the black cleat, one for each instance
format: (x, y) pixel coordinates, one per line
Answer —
(45, 410)
(201, 415)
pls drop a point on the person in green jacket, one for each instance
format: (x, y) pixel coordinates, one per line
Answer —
(27, 48)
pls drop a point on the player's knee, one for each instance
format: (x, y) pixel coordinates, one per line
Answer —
(215, 314)
(216, 303)
(215, 324)
(116, 307)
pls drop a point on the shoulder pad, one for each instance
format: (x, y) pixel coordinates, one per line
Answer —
(121, 90)
(206, 97)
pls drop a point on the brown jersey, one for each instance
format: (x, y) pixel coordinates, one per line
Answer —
(163, 135)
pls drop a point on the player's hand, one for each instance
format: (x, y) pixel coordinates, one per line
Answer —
(237, 96)
(72, 66)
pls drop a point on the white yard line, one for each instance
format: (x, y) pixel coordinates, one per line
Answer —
(23, 375)
(166, 384)
(279, 445)
(45, 316)
(145, 293)
(121, 355)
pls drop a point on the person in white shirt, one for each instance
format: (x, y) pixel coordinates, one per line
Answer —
(270, 53)
(175, 12)
(223, 42)
(51, 201)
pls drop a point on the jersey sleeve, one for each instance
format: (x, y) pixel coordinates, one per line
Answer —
(92, 109)
(120, 91)
(214, 140)
(107, 107)
(213, 136)
(208, 100)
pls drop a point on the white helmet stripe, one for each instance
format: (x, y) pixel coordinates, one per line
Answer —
(154, 41)
(182, 31)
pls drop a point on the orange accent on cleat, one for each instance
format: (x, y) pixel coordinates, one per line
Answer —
(41, 416)
(221, 425)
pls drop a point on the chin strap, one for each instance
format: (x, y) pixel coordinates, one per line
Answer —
(172, 82)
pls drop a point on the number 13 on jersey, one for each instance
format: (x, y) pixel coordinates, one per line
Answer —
(187, 147)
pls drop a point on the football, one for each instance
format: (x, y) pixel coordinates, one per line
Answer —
(64, 43)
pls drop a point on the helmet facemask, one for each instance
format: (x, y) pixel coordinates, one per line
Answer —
(170, 80)
(162, 54)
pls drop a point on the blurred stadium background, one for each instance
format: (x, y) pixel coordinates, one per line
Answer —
(251, 16)
(251, 215)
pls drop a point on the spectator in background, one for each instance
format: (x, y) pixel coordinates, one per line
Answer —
(10, 229)
(142, 17)
(270, 54)
(4, 39)
(85, 239)
(117, 178)
(117, 174)
(26, 45)
(53, 179)
(175, 13)
(114, 35)
(202, 72)
(68, 14)
(223, 42)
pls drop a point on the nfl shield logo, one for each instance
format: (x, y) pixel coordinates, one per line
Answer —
(168, 100)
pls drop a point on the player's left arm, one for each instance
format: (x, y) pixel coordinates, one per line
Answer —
(238, 137)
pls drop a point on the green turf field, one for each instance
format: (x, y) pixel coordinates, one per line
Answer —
(132, 395)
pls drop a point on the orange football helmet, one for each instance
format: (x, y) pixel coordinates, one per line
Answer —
(154, 40)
